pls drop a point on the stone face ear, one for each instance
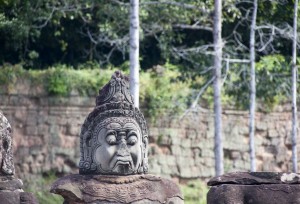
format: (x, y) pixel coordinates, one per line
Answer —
(7, 157)
(145, 160)
(6, 163)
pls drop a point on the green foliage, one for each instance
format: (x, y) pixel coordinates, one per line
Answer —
(272, 82)
(9, 74)
(162, 92)
(167, 89)
(40, 33)
(58, 82)
(194, 192)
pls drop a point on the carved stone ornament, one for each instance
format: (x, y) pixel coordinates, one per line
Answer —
(105, 189)
(114, 136)
(113, 155)
(11, 191)
(6, 153)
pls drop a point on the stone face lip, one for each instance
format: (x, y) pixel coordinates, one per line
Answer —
(117, 189)
(255, 178)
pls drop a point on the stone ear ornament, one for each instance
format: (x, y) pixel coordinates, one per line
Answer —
(6, 153)
(114, 112)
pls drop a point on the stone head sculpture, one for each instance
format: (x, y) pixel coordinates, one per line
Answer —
(6, 153)
(114, 136)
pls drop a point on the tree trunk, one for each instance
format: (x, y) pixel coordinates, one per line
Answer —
(294, 91)
(134, 50)
(252, 88)
(217, 29)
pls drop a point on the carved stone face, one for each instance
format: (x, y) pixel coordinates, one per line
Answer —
(120, 148)
(114, 136)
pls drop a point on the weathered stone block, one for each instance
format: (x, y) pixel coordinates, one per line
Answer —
(155, 168)
(170, 160)
(207, 171)
(273, 133)
(192, 134)
(261, 125)
(31, 130)
(73, 129)
(176, 140)
(207, 153)
(185, 171)
(254, 194)
(176, 150)
(254, 188)
(42, 129)
(186, 143)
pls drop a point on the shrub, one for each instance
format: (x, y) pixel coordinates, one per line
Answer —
(162, 92)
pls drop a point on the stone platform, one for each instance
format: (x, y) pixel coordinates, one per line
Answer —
(136, 189)
(255, 188)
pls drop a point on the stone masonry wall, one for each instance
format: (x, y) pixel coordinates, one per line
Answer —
(46, 138)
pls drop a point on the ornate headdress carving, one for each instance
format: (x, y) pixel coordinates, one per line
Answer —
(114, 104)
(6, 153)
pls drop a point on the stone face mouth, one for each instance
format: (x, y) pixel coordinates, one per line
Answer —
(123, 167)
(121, 162)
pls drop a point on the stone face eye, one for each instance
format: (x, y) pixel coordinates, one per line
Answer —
(111, 139)
(132, 140)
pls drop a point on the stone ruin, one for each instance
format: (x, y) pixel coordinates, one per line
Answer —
(114, 155)
(11, 191)
(114, 164)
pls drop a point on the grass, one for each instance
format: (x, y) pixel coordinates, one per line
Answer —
(40, 187)
(194, 192)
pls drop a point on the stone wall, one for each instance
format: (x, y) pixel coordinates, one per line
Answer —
(46, 138)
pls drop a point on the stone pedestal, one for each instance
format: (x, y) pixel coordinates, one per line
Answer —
(254, 188)
(11, 192)
(137, 189)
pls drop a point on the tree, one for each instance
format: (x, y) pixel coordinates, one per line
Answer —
(294, 91)
(217, 30)
(134, 50)
(252, 88)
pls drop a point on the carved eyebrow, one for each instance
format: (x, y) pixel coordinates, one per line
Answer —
(113, 132)
(130, 125)
(132, 132)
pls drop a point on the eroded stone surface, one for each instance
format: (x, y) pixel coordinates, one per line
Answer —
(254, 188)
(116, 189)
(251, 178)
(254, 194)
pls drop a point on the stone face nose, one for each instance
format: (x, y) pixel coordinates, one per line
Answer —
(123, 150)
